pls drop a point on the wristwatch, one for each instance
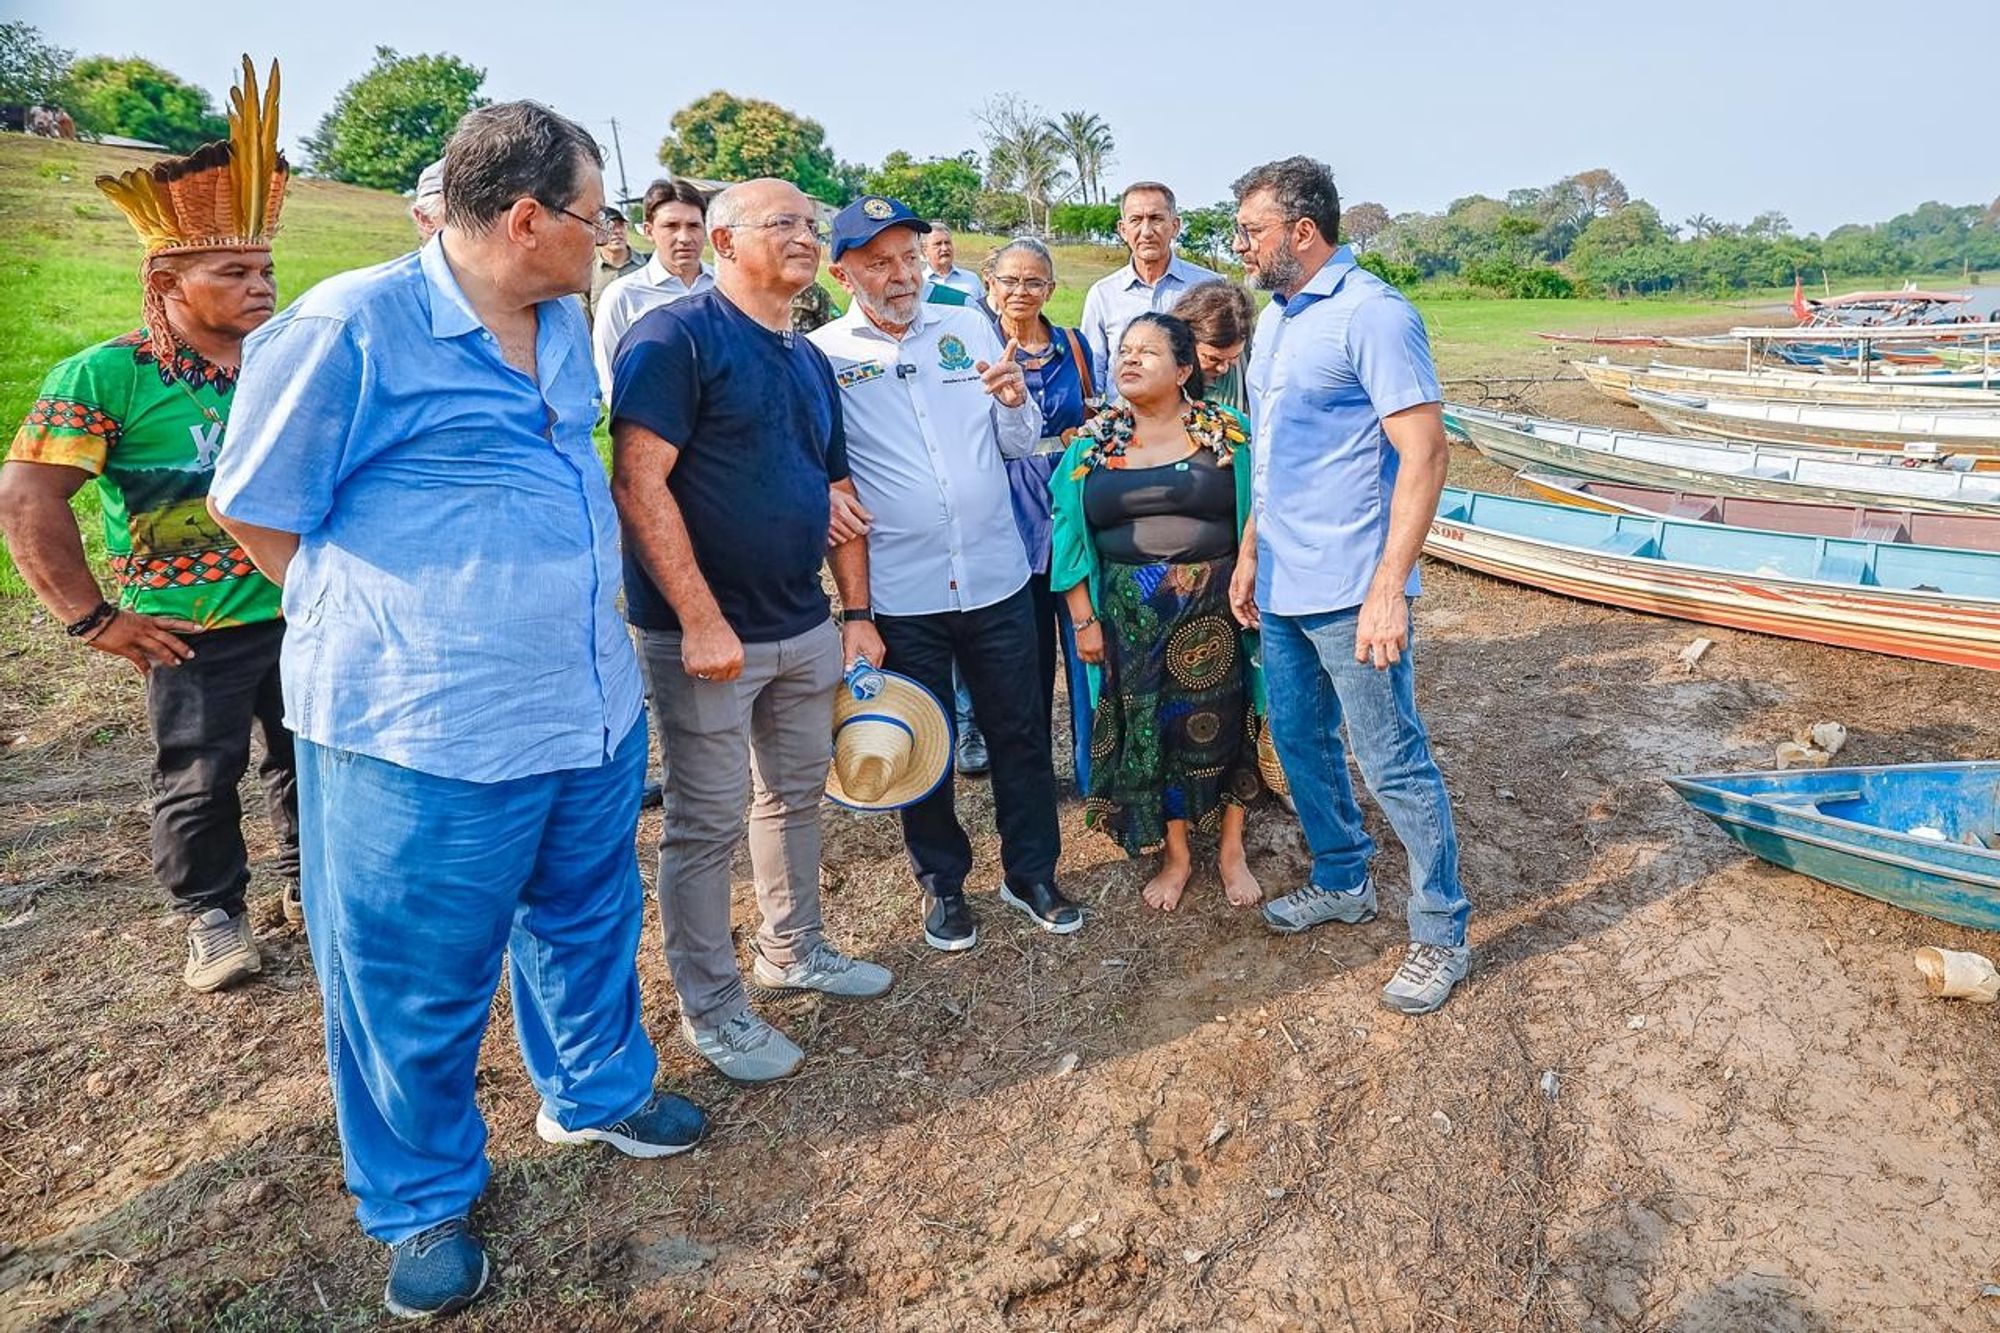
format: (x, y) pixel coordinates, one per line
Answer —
(850, 614)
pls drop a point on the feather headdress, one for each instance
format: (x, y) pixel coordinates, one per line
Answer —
(223, 196)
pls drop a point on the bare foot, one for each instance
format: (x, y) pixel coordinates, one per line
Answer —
(1239, 886)
(1163, 891)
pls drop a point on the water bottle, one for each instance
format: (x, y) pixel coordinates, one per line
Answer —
(864, 680)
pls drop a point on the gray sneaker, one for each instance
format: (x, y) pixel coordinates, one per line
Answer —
(221, 951)
(826, 970)
(1313, 906)
(746, 1048)
(1423, 983)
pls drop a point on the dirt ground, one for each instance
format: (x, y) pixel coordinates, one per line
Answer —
(1681, 1090)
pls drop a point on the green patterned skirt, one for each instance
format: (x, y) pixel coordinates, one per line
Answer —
(1173, 736)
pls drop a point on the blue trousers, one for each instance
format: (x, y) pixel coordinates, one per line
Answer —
(1314, 684)
(417, 888)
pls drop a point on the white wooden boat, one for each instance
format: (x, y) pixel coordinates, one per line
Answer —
(1771, 472)
(1931, 603)
(1616, 381)
(1960, 430)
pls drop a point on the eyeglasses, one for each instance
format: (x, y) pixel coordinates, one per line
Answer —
(1032, 286)
(608, 226)
(1251, 235)
(785, 224)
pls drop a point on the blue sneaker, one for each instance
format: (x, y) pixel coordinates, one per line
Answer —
(662, 1127)
(438, 1271)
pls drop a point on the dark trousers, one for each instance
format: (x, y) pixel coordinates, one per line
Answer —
(202, 712)
(997, 653)
(1055, 642)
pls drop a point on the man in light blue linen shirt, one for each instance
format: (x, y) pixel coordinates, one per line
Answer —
(1350, 459)
(412, 460)
(1148, 222)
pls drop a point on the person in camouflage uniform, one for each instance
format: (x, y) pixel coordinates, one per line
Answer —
(144, 416)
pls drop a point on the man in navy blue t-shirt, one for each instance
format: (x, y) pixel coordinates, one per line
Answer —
(728, 440)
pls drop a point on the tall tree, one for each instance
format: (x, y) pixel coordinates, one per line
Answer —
(139, 100)
(1023, 155)
(1088, 142)
(941, 187)
(730, 138)
(392, 122)
(32, 72)
(1361, 223)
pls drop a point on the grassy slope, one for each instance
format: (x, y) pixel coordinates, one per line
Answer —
(68, 275)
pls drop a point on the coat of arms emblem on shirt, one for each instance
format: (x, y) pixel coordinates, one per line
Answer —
(952, 354)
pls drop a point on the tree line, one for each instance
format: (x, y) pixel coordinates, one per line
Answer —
(1047, 173)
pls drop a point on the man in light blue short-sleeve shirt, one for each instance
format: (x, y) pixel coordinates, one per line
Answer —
(1350, 458)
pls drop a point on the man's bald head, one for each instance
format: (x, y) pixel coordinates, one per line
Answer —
(766, 237)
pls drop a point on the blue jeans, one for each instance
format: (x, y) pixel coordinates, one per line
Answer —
(1314, 684)
(416, 888)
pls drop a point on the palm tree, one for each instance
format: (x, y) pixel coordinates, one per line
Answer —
(1703, 226)
(1087, 141)
(1024, 154)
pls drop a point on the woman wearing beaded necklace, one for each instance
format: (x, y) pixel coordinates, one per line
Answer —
(1149, 503)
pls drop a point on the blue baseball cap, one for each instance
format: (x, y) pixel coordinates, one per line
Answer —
(868, 217)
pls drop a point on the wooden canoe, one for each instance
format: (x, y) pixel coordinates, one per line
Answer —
(1771, 472)
(1972, 532)
(1965, 431)
(1617, 381)
(1929, 603)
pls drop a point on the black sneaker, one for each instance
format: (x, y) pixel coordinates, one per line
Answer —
(949, 924)
(1044, 905)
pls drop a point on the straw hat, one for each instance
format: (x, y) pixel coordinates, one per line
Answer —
(889, 751)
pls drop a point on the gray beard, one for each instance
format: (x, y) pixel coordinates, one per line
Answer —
(886, 312)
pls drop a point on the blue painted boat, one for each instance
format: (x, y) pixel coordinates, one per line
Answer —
(1916, 836)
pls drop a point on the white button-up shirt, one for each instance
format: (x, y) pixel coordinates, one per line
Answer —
(629, 297)
(924, 447)
(1119, 298)
(959, 279)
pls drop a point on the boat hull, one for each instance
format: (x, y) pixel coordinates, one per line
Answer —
(1782, 824)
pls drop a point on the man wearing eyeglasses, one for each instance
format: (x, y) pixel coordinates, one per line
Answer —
(411, 459)
(1148, 223)
(727, 433)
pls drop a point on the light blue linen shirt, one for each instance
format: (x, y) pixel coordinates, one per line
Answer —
(453, 606)
(1119, 298)
(1329, 363)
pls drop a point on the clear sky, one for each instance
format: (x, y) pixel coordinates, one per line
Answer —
(1727, 108)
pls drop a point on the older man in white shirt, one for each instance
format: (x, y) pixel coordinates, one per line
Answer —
(1149, 221)
(673, 211)
(932, 403)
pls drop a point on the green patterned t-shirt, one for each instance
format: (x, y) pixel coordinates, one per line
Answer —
(150, 434)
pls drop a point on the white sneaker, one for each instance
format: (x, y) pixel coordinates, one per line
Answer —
(1423, 983)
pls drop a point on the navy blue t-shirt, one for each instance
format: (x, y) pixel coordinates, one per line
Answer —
(755, 416)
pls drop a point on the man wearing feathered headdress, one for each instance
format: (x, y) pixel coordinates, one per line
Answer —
(144, 415)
